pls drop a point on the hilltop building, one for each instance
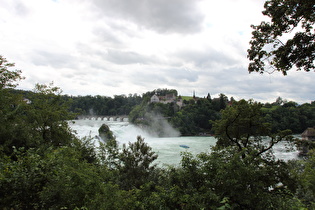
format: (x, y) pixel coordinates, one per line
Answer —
(155, 99)
(168, 98)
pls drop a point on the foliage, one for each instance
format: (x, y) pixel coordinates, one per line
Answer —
(136, 114)
(49, 114)
(108, 154)
(58, 179)
(39, 121)
(307, 181)
(271, 42)
(290, 116)
(102, 105)
(11, 107)
(8, 77)
(154, 118)
(190, 119)
(303, 171)
(194, 119)
(198, 116)
(244, 148)
(161, 92)
(135, 164)
(242, 125)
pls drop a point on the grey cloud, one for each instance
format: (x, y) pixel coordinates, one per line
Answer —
(164, 76)
(237, 82)
(56, 60)
(181, 74)
(163, 16)
(146, 79)
(20, 9)
(119, 57)
(206, 58)
(16, 7)
(229, 81)
(112, 82)
(108, 36)
(126, 57)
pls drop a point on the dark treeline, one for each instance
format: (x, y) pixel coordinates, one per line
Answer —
(194, 117)
(102, 105)
(96, 105)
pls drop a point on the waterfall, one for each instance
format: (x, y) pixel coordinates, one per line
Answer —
(168, 148)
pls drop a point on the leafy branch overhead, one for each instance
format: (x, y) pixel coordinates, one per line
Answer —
(8, 77)
(242, 125)
(288, 41)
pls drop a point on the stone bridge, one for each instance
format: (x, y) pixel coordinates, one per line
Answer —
(120, 118)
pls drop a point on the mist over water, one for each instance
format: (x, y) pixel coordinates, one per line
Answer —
(158, 126)
(167, 148)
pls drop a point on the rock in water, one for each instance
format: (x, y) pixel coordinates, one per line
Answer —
(105, 133)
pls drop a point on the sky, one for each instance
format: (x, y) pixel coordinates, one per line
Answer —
(115, 47)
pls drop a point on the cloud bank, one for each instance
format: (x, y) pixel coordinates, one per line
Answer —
(113, 47)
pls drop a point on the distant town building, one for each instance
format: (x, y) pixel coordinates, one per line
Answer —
(168, 98)
(155, 99)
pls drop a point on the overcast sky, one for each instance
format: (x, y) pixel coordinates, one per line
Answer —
(114, 47)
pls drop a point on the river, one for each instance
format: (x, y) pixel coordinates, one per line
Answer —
(168, 149)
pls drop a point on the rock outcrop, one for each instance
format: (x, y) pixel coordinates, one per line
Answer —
(105, 133)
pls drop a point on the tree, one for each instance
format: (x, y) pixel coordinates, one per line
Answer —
(279, 101)
(307, 180)
(39, 120)
(246, 165)
(135, 164)
(223, 101)
(270, 45)
(58, 179)
(209, 97)
(12, 128)
(48, 116)
(8, 77)
(242, 126)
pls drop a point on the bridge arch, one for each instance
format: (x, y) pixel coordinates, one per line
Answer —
(119, 118)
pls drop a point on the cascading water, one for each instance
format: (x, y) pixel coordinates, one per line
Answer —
(167, 148)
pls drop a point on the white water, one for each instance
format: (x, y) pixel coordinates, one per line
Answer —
(168, 149)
